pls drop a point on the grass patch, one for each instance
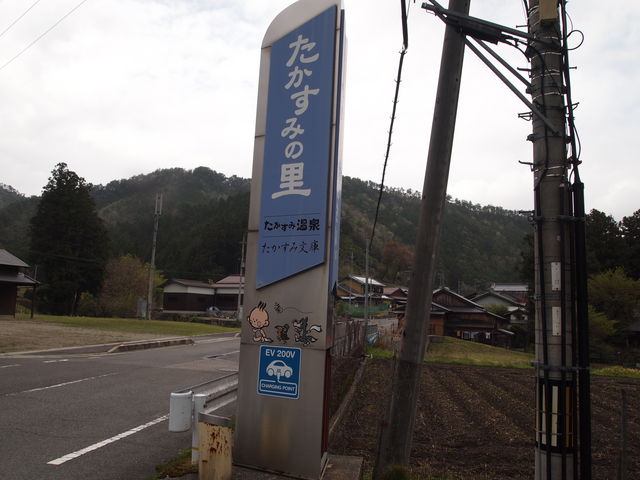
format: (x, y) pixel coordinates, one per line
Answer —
(378, 352)
(453, 350)
(177, 467)
(134, 325)
(617, 371)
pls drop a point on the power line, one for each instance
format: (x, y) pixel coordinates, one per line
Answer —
(19, 18)
(43, 34)
(405, 46)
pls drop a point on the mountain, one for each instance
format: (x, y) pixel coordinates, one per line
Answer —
(204, 216)
(8, 195)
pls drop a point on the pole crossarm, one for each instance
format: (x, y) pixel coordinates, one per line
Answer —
(482, 29)
(511, 86)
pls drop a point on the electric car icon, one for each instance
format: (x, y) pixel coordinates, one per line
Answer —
(278, 369)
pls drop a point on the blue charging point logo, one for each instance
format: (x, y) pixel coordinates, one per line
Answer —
(279, 371)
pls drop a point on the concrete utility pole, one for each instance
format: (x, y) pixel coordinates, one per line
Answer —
(397, 430)
(152, 265)
(556, 355)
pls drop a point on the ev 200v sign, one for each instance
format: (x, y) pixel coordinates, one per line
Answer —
(279, 371)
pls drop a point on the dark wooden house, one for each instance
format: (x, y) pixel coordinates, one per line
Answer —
(12, 276)
(456, 316)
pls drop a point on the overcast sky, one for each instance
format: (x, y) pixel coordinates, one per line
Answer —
(125, 87)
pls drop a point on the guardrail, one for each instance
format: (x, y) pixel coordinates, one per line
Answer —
(190, 406)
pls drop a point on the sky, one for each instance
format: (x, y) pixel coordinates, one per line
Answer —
(126, 87)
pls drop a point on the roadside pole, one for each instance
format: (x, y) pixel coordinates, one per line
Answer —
(556, 355)
(397, 431)
(152, 264)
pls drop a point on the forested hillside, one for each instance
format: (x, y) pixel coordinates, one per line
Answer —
(205, 213)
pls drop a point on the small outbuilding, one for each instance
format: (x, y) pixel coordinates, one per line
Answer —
(12, 276)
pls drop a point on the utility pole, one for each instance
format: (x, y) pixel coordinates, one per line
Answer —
(397, 430)
(241, 279)
(556, 353)
(152, 265)
(366, 296)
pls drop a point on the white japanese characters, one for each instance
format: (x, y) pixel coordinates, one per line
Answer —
(292, 172)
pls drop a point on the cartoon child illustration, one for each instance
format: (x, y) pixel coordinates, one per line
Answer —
(259, 319)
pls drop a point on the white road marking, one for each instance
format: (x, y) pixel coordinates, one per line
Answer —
(61, 384)
(95, 446)
(56, 361)
(9, 366)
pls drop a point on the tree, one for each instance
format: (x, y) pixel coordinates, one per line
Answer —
(605, 245)
(125, 282)
(616, 295)
(68, 242)
(396, 258)
(630, 228)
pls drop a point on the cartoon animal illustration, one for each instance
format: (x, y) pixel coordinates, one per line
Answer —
(282, 332)
(259, 320)
(303, 331)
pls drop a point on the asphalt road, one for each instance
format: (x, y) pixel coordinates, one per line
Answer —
(100, 416)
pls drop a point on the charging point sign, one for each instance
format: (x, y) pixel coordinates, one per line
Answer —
(279, 371)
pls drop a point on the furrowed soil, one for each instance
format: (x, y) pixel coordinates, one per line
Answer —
(477, 423)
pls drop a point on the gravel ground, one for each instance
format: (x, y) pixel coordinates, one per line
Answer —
(26, 335)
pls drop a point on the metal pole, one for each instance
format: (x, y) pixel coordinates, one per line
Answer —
(555, 339)
(152, 264)
(397, 430)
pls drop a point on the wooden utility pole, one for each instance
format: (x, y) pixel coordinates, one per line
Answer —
(397, 431)
(556, 355)
(152, 265)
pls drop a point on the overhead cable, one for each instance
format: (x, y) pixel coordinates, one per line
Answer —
(42, 35)
(19, 18)
(405, 46)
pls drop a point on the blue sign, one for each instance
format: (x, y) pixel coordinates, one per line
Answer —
(279, 371)
(297, 152)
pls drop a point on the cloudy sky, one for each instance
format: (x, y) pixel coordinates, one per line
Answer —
(124, 87)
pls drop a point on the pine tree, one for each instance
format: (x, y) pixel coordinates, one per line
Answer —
(69, 242)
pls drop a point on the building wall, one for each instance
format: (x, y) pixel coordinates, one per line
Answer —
(187, 302)
(8, 295)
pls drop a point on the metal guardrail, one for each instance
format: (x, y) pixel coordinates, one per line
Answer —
(192, 405)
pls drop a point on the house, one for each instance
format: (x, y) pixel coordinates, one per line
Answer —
(397, 295)
(227, 291)
(453, 315)
(180, 295)
(12, 276)
(518, 291)
(352, 288)
(516, 309)
(187, 295)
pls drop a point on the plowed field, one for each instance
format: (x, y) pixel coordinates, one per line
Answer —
(478, 422)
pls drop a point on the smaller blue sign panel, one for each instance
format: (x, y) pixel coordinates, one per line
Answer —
(279, 371)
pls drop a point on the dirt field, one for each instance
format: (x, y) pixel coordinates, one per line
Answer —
(25, 335)
(477, 423)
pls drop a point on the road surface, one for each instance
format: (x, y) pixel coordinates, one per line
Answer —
(100, 416)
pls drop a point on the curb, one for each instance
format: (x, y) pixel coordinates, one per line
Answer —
(126, 347)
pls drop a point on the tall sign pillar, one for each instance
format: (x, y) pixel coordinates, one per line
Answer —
(292, 244)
